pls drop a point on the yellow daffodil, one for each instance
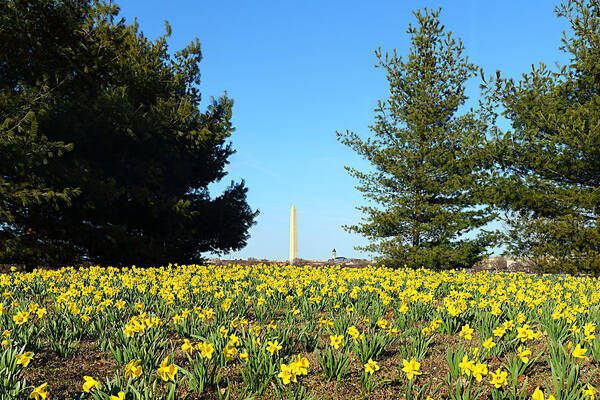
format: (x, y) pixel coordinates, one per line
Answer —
(89, 384)
(499, 331)
(24, 358)
(39, 393)
(233, 340)
(206, 349)
(524, 354)
(21, 317)
(466, 366)
(579, 352)
(354, 333)
(372, 366)
(539, 395)
(187, 346)
(133, 369)
(300, 365)
(119, 396)
(466, 332)
(273, 347)
(336, 341)
(488, 343)
(166, 371)
(498, 378)
(287, 374)
(230, 352)
(479, 371)
(525, 333)
(411, 368)
(223, 332)
(128, 331)
(590, 392)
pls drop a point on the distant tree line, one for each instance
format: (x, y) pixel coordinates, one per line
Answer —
(105, 156)
(440, 172)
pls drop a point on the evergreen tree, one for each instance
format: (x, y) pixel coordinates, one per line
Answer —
(426, 157)
(105, 155)
(549, 162)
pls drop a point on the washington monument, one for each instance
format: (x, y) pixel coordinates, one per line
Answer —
(293, 235)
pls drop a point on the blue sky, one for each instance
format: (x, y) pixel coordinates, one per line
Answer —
(299, 71)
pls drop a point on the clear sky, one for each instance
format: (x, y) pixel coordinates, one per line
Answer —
(300, 70)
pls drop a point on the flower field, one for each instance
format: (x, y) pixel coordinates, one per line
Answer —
(288, 332)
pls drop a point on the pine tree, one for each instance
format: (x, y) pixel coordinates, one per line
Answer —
(549, 161)
(426, 157)
(25, 150)
(105, 154)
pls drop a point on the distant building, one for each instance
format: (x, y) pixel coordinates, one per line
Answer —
(335, 259)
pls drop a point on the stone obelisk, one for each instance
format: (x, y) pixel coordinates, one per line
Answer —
(293, 235)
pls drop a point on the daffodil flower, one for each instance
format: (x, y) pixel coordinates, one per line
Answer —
(39, 393)
(24, 358)
(89, 384)
(166, 371)
(273, 347)
(411, 368)
(372, 366)
(579, 352)
(336, 341)
(119, 396)
(498, 378)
